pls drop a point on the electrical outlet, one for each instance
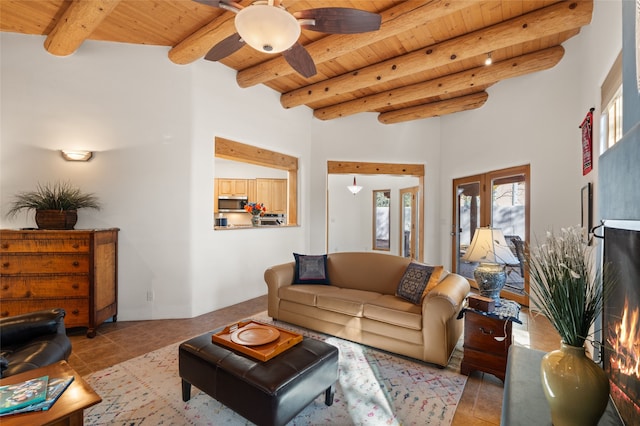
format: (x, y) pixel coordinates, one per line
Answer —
(149, 296)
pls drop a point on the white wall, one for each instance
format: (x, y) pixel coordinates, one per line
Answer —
(152, 124)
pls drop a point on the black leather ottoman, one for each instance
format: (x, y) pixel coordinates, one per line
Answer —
(267, 393)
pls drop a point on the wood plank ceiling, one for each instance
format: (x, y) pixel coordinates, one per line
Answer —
(426, 60)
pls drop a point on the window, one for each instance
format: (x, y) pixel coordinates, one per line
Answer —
(611, 107)
(236, 151)
(381, 219)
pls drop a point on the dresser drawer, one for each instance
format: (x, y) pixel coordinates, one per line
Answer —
(44, 245)
(481, 332)
(44, 264)
(77, 309)
(12, 287)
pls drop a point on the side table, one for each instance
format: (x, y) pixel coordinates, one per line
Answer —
(487, 338)
(67, 410)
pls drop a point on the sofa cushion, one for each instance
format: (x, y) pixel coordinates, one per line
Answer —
(346, 301)
(417, 281)
(394, 310)
(303, 293)
(310, 269)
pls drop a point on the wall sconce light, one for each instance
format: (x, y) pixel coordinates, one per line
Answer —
(488, 61)
(354, 188)
(76, 155)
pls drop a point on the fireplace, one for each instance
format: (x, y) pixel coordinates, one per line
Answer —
(621, 315)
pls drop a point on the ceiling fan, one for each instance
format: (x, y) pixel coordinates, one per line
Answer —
(268, 27)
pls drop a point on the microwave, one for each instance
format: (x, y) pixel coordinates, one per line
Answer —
(232, 204)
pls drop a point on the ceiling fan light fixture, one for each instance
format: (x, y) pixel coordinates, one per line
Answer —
(268, 29)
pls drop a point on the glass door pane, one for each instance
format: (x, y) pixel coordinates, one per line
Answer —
(508, 204)
(468, 213)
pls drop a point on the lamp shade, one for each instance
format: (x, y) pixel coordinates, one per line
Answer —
(266, 28)
(489, 246)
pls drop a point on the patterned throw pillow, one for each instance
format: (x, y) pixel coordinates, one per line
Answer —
(311, 269)
(417, 281)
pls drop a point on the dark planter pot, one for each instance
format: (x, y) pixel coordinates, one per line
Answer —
(56, 219)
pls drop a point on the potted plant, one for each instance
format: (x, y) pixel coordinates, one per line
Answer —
(567, 288)
(256, 210)
(56, 204)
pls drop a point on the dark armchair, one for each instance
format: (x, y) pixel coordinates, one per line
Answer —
(32, 340)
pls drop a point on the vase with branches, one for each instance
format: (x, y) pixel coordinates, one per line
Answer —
(567, 287)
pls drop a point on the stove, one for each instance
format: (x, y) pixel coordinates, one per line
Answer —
(273, 219)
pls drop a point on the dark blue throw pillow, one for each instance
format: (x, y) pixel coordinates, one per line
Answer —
(311, 269)
(414, 283)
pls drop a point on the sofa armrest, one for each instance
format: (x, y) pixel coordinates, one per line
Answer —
(453, 289)
(276, 277)
(21, 328)
(440, 326)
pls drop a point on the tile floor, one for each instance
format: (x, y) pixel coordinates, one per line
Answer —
(481, 400)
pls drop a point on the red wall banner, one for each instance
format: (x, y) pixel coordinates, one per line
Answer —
(587, 143)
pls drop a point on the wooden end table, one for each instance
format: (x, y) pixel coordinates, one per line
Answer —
(67, 410)
(487, 337)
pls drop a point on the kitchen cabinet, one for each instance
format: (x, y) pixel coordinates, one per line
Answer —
(233, 187)
(273, 193)
(75, 270)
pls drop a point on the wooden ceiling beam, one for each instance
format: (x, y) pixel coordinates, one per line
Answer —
(406, 15)
(77, 23)
(199, 43)
(553, 19)
(480, 76)
(364, 168)
(434, 109)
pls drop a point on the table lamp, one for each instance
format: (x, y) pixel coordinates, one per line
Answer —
(490, 249)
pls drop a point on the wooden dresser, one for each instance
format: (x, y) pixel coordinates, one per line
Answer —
(76, 270)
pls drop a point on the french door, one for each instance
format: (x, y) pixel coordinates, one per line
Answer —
(499, 199)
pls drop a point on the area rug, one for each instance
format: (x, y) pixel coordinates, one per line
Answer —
(375, 388)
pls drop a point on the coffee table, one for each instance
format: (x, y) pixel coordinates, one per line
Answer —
(68, 409)
(268, 393)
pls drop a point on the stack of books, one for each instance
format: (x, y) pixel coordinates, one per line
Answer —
(32, 395)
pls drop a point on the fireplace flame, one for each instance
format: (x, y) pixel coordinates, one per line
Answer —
(625, 341)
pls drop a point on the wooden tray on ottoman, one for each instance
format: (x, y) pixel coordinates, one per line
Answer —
(285, 340)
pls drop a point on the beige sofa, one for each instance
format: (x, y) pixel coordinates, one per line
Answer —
(360, 305)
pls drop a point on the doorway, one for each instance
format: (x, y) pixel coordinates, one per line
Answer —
(499, 199)
(415, 173)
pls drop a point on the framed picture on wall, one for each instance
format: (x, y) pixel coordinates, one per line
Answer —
(587, 217)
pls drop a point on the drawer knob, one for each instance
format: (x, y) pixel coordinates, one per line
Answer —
(76, 246)
(5, 245)
(75, 312)
(27, 294)
(5, 265)
(75, 286)
(5, 287)
(76, 263)
(4, 314)
(485, 331)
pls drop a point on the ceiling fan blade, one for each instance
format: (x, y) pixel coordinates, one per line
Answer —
(340, 20)
(212, 3)
(225, 48)
(300, 60)
(226, 5)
